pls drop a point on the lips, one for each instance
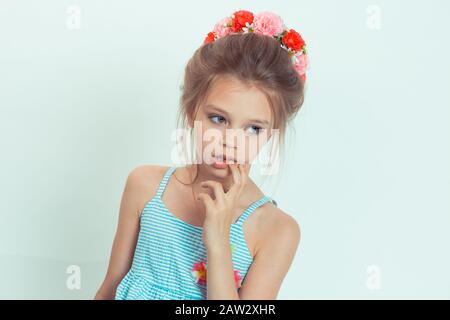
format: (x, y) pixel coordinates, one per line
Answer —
(224, 158)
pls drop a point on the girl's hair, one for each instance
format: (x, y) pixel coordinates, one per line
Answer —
(255, 60)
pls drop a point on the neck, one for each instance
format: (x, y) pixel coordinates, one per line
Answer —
(200, 174)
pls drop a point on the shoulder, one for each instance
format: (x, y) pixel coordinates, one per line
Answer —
(280, 229)
(146, 174)
(280, 236)
(277, 220)
(142, 183)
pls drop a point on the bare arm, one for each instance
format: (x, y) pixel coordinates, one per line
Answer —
(125, 240)
(220, 278)
(272, 261)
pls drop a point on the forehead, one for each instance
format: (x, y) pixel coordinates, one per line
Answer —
(238, 98)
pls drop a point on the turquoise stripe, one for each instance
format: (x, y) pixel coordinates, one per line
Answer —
(167, 249)
(176, 231)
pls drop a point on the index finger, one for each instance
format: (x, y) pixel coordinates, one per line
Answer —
(237, 179)
(235, 173)
(244, 174)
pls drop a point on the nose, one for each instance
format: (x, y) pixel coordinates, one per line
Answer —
(232, 138)
(232, 144)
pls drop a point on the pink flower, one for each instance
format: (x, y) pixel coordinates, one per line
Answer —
(302, 64)
(268, 23)
(222, 28)
(199, 272)
(237, 278)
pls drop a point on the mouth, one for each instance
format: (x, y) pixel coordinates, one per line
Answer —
(224, 159)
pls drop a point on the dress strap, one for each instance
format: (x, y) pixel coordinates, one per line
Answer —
(164, 180)
(252, 208)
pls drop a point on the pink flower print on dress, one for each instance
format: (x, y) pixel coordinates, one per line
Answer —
(237, 278)
(199, 272)
(200, 268)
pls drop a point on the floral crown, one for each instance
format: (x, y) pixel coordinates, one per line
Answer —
(269, 24)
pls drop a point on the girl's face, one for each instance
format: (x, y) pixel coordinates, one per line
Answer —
(234, 121)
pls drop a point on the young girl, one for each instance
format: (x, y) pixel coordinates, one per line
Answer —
(208, 231)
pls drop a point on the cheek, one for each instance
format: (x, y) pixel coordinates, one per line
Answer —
(208, 138)
(252, 149)
(199, 129)
(254, 146)
(202, 126)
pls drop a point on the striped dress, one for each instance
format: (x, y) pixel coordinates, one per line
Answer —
(170, 258)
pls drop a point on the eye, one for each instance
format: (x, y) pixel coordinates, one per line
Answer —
(255, 129)
(216, 118)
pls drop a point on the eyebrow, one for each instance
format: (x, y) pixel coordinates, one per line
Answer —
(211, 106)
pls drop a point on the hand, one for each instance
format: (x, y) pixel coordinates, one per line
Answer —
(220, 211)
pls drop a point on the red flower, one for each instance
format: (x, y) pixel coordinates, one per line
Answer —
(303, 77)
(209, 38)
(199, 272)
(292, 39)
(240, 18)
(237, 278)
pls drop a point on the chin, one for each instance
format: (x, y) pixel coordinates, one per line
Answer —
(217, 172)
